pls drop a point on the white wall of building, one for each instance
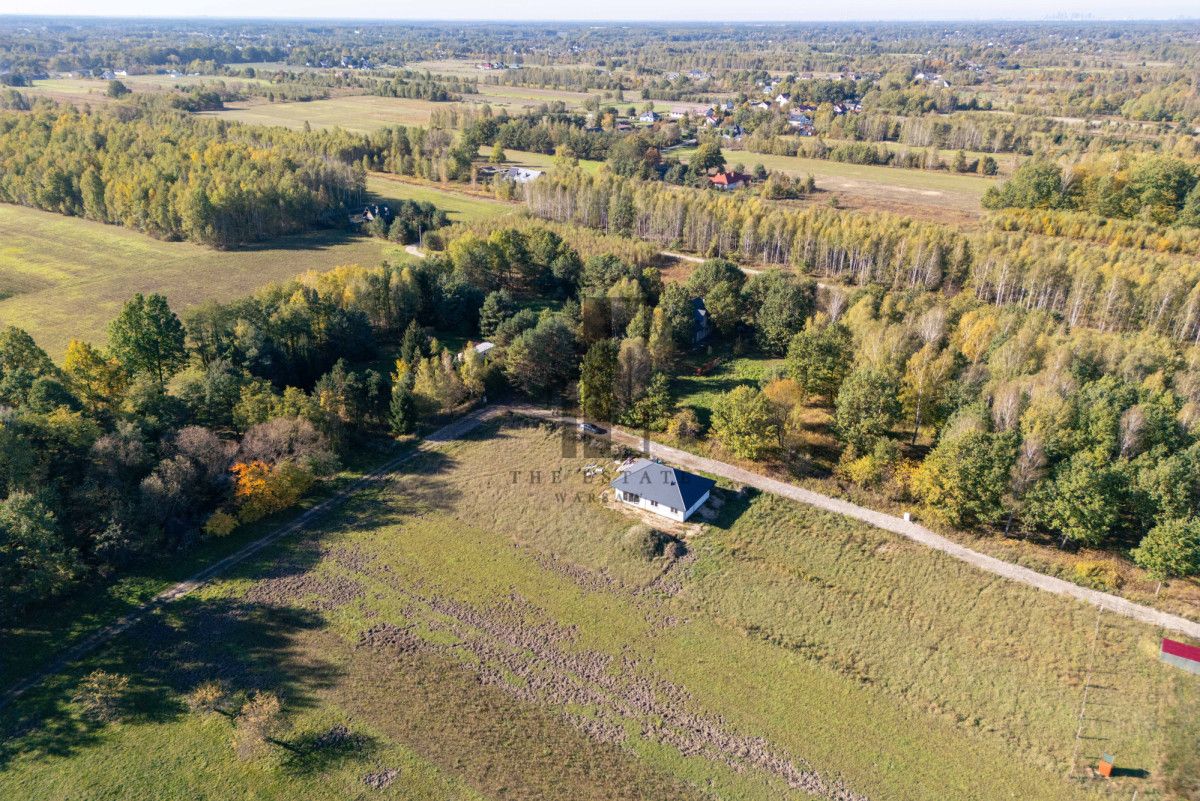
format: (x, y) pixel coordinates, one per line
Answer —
(659, 508)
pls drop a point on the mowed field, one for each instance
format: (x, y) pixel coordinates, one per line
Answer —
(920, 193)
(482, 633)
(459, 206)
(64, 277)
(94, 90)
(361, 113)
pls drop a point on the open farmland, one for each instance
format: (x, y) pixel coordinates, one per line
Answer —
(65, 277)
(94, 90)
(361, 113)
(922, 193)
(480, 634)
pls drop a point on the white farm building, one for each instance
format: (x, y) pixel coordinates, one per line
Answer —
(662, 489)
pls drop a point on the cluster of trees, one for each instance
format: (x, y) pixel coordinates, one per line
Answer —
(538, 132)
(430, 153)
(633, 338)
(135, 451)
(1089, 438)
(170, 174)
(179, 430)
(860, 248)
(410, 221)
(1083, 284)
(1164, 190)
(420, 86)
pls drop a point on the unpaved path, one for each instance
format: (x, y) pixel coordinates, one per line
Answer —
(188, 586)
(896, 525)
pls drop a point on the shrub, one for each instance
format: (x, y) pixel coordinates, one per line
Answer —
(262, 490)
(874, 468)
(1099, 575)
(100, 695)
(685, 426)
(644, 542)
(208, 697)
(257, 720)
(220, 524)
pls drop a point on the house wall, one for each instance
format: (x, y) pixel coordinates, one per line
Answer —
(662, 509)
(649, 506)
(696, 505)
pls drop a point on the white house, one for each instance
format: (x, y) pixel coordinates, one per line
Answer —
(520, 175)
(662, 489)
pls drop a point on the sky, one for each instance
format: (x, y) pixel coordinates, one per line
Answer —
(715, 10)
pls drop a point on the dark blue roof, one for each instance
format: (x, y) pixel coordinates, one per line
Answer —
(667, 485)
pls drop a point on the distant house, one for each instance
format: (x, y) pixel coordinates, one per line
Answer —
(650, 117)
(373, 211)
(483, 349)
(763, 105)
(679, 112)
(664, 490)
(520, 175)
(701, 321)
(729, 180)
(802, 123)
(783, 99)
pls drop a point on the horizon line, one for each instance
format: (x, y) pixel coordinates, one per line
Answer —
(1065, 17)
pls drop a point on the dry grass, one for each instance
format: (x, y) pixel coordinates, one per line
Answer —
(921, 193)
(361, 113)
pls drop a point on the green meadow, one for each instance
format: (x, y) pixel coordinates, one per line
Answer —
(65, 277)
(483, 627)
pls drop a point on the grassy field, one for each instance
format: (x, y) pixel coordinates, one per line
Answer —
(461, 206)
(490, 635)
(535, 161)
(63, 277)
(361, 113)
(94, 90)
(919, 192)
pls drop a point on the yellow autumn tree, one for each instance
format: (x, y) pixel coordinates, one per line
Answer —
(97, 379)
(261, 489)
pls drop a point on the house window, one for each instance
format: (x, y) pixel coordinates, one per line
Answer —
(654, 503)
(631, 498)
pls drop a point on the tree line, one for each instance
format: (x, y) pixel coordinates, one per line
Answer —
(1160, 189)
(1084, 284)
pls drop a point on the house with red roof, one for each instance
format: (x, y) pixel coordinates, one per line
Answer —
(729, 180)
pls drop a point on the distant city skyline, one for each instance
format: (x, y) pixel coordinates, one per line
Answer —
(626, 10)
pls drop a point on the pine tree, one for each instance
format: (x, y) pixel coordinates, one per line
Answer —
(402, 415)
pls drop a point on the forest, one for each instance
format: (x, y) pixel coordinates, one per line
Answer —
(172, 175)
